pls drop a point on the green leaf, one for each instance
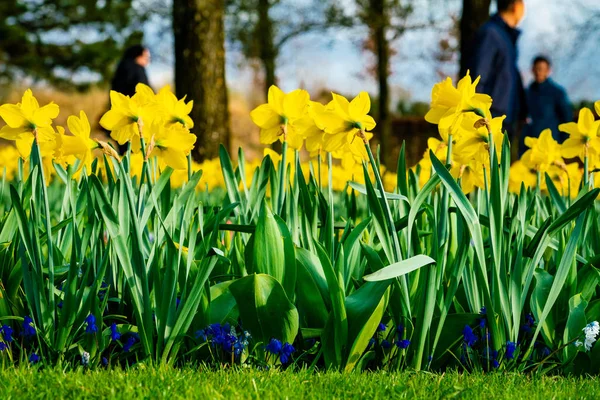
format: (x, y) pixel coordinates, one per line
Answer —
(269, 250)
(365, 309)
(265, 309)
(575, 324)
(400, 268)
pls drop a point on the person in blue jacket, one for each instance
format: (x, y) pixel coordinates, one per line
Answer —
(547, 103)
(494, 58)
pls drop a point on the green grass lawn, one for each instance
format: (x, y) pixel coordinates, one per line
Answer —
(193, 383)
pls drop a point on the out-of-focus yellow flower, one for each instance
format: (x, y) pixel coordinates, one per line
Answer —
(9, 162)
(473, 143)
(212, 175)
(390, 180)
(26, 118)
(583, 137)
(211, 179)
(80, 144)
(520, 173)
(566, 178)
(136, 164)
(276, 158)
(176, 110)
(276, 118)
(171, 144)
(449, 104)
(345, 121)
(127, 113)
(597, 107)
(440, 149)
(543, 152)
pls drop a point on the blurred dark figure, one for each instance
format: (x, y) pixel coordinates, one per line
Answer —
(495, 60)
(547, 103)
(131, 71)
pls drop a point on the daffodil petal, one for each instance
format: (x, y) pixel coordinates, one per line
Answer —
(294, 104)
(275, 99)
(13, 115)
(265, 117)
(359, 106)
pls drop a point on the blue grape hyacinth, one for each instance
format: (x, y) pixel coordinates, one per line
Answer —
(28, 328)
(114, 332)
(7, 332)
(91, 327)
(469, 337)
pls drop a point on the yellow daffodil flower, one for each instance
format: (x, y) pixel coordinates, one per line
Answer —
(520, 173)
(127, 113)
(176, 110)
(136, 164)
(25, 119)
(474, 142)
(440, 149)
(9, 162)
(566, 178)
(449, 104)
(276, 118)
(583, 140)
(309, 130)
(470, 174)
(80, 144)
(171, 144)
(345, 121)
(543, 152)
(353, 153)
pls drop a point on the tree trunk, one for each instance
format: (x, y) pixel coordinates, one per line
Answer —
(474, 14)
(200, 71)
(382, 51)
(267, 50)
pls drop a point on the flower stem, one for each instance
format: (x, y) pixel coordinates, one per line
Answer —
(319, 170)
(585, 170)
(189, 166)
(50, 280)
(386, 206)
(449, 153)
(282, 174)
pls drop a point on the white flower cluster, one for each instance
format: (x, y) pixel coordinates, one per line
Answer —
(591, 331)
(85, 359)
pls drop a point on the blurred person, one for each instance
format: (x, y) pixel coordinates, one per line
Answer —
(495, 60)
(130, 71)
(547, 103)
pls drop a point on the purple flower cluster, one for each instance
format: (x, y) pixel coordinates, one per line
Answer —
(114, 332)
(225, 337)
(91, 327)
(510, 350)
(132, 338)
(6, 332)
(28, 328)
(283, 350)
(468, 336)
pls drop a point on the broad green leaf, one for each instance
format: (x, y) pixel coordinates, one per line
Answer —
(265, 309)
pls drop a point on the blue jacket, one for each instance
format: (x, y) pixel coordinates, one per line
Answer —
(548, 107)
(495, 60)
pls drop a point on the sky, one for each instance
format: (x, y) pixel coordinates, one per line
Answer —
(335, 60)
